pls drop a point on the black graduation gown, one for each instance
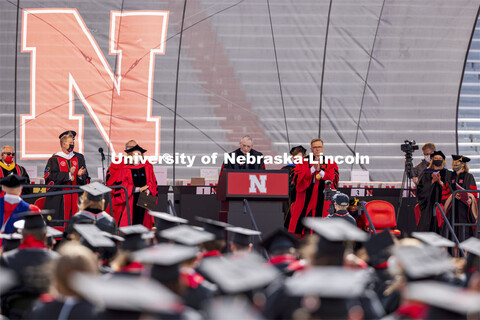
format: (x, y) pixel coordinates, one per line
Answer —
(292, 192)
(463, 213)
(100, 218)
(253, 166)
(139, 178)
(30, 266)
(75, 309)
(343, 215)
(427, 195)
(56, 173)
(18, 170)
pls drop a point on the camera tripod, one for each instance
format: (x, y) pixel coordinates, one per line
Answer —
(406, 181)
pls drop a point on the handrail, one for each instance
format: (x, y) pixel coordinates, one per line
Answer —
(246, 207)
(463, 225)
(171, 207)
(364, 209)
(73, 186)
(437, 205)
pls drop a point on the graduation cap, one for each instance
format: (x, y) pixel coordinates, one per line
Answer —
(341, 199)
(8, 280)
(433, 239)
(54, 233)
(166, 220)
(280, 240)
(135, 148)
(35, 220)
(377, 247)
(460, 158)
(134, 237)
(242, 236)
(187, 235)
(215, 227)
(302, 149)
(166, 259)
(447, 300)
(124, 293)
(236, 274)
(437, 153)
(335, 229)
(10, 241)
(112, 236)
(472, 245)
(93, 236)
(232, 308)
(73, 133)
(13, 181)
(423, 262)
(328, 282)
(95, 191)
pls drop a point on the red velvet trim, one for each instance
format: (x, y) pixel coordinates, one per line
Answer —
(413, 310)
(30, 242)
(132, 267)
(282, 259)
(213, 253)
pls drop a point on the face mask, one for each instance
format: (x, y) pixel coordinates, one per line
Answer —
(70, 147)
(427, 158)
(457, 167)
(437, 163)
(8, 159)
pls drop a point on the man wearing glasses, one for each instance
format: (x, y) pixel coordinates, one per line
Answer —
(8, 166)
(428, 149)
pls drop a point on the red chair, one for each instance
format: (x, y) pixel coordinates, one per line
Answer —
(382, 214)
(40, 202)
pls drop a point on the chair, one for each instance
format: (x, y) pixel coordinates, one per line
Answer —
(40, 202)
(382, 214)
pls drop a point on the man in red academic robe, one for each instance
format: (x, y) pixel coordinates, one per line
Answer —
(114, 178)
(8, 167)
(136, 177)
(310, 184)
(65, 167)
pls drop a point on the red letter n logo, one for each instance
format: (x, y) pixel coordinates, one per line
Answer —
(258, 185)
(65, 58)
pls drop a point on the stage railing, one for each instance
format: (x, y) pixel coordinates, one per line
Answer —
(57, 193)
(463, 225)
(364, 211)
(439, 207)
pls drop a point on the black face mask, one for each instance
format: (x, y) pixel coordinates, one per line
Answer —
(70, 147)
(437, 163)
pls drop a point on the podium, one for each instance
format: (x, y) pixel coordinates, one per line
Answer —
(265, 191)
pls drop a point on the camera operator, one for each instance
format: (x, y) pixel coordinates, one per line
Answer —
(428, 149)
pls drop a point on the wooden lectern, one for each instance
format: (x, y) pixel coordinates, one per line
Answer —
(265, 191)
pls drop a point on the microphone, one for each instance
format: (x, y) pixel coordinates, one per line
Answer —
(101, 152)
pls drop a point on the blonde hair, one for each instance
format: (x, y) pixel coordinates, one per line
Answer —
(73, 258)
(316, 140)
(65, 137)
(85, 203)
(431, 163)
(5, 147)
(126, 144)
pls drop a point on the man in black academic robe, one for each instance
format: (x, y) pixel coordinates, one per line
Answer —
(66, 167)
(246, 145)
(8, 167)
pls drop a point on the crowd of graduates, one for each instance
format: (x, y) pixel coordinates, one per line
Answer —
(206, 269)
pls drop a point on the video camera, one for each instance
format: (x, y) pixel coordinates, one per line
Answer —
(409, 146)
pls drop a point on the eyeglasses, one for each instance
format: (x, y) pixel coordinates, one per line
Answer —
(9, 153)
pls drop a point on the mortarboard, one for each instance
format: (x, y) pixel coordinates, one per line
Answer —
(232, 308)
(328, 282)
(125, 293)
(460, 158)
(54, 233)
(472, 245)
(303, 150)
(134, 237)
(215, 227)
(35, 220)
(10, 241)
(446, 299)
(166, 259)
(377, 247)
(93, 236)
(165, 220)
(280, 240)
(112, 236)
(13, 181)
(433, 239)
(335, 229)
(73, 133)
(135, 148)
(242, 236)
(236, 274)
(95, 191)
(341, 199)
(437, 153)
(423, 262)
(187, 235)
